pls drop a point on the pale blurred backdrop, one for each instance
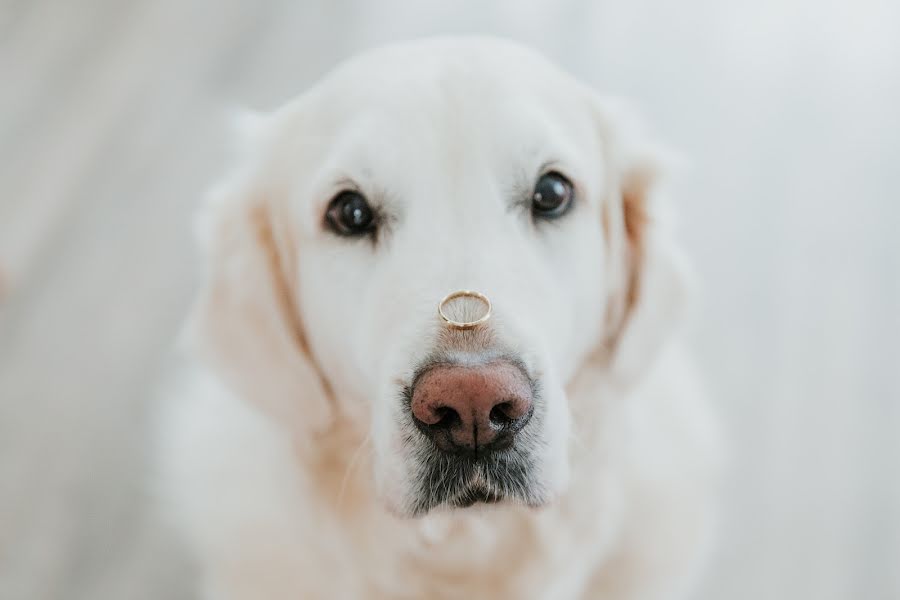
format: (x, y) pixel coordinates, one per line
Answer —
(112, 124)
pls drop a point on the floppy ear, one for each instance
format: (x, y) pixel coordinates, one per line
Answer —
(245, 325)
(649, 290)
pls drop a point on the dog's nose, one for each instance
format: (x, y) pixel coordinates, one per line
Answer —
(472, 408)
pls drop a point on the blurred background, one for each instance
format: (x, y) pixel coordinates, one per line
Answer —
(112, 125)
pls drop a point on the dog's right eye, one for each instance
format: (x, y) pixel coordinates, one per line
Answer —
(349, 214)
(552, 196)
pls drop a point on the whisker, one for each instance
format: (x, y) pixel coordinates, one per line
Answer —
(354, 459)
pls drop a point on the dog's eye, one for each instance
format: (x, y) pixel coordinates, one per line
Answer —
(552, 196)
(349, 214)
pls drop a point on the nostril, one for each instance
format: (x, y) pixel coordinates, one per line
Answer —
(502, 414)
(510, 416)
(447, 418)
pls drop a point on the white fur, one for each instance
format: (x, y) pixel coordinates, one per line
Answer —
(284, 457)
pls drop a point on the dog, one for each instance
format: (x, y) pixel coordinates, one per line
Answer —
(435, 353)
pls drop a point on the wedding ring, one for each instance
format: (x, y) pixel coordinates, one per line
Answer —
(465, 324)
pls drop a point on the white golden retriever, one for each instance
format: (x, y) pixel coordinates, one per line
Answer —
(338, 439)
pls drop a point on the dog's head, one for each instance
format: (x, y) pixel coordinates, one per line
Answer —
(409, 173)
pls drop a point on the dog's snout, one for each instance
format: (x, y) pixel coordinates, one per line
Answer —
(472, 408)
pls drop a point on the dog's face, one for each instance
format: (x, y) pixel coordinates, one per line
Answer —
(407, 174)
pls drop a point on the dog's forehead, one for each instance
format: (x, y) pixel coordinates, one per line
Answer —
(439, 77)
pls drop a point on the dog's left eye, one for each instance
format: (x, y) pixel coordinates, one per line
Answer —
(350, 214)
(552, 196)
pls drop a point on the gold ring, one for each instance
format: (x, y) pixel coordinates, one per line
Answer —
(465, 324)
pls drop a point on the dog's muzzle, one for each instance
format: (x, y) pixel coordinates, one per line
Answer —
(478, 434)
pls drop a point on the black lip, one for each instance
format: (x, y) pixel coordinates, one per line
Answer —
(475, 495)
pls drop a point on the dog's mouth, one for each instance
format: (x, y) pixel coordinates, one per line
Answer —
(461, 482)
(474, 495)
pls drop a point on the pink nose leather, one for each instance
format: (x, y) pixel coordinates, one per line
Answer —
(470, 408)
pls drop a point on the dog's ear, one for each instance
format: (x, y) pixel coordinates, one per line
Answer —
(649, 278)
(245, 324)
